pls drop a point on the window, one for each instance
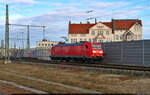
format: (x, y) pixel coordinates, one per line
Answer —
(82, 35)
(39, 44)
(136, 28)
(135, 37)
(73, 40)
(120, 29)
(107, 32)
(45, 44)
(96, 46)
(110, 40)
(80, 39)
(107, 40)
(125, 28)
(100, 32)
(121, 37)
(93, 40)
(42, 44)
(100, 41)
(73, 35)
(89, 40)
(100, 26)
(86, 46)
(139, 27)
(117, 37)
(116, 28)
(128, 36)
(93, 33)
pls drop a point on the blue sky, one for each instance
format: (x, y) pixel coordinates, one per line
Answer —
(55, 14)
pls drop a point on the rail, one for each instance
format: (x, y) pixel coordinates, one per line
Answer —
(105, 68)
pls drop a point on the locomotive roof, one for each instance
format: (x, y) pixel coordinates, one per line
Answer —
(71, 44)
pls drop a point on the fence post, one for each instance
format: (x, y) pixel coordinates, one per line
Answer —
(121, 52)
(143, 51)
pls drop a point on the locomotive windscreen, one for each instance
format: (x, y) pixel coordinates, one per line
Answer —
(96, 47)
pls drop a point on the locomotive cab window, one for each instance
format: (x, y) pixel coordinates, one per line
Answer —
(86, 46)
(96, 47)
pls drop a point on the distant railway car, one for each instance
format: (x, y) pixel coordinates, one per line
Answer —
(78, 51)
(33, 54)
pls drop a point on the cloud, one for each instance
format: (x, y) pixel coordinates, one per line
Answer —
(146, 30)
(57, 19)
(20, 1)
(107, 4)
(59, 15)
(68, 4)
(146, 23)
(12, 18)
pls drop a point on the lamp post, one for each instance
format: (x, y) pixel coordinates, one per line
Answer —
(7, 52)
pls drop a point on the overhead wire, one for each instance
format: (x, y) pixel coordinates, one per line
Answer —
(14, 11)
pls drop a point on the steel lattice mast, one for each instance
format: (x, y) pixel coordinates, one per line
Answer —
(7, 55)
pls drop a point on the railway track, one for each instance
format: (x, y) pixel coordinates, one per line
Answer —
(96, 65)
(105, 68)
(3, 94)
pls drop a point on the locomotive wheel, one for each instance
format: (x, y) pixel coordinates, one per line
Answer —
(67, 60)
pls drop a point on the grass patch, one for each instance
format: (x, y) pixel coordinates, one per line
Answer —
(106, 83)
(8, 89)
(36, 84)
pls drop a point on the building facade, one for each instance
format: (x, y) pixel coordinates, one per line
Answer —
(116, 30)
(45, 44)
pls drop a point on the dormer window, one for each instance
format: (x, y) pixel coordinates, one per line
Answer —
(137, 23)
(100, 32)
(120, 29)
(107, 32)
(100, 26)
(116, 28)
(124, 28)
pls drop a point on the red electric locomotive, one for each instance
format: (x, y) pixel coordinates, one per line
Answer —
(77, 51)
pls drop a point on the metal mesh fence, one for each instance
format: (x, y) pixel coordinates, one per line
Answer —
(127, 53)
(37, 53)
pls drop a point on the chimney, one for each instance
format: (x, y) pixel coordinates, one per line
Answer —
(95, 21)
(69, 22)
(88, 22)
(80, 22)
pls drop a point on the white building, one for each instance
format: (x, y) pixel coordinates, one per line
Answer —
(45, 44)
(116, 30)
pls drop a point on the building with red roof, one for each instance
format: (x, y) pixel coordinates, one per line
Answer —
(116, 30)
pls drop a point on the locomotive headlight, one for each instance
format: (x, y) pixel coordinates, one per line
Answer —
(100, 51)
(94, 51)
